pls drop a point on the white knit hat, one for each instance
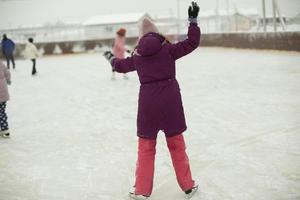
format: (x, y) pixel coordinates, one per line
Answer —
(147, 26)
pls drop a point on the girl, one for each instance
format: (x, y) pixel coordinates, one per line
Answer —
(4, 97)
(160, 106)
(119, 48)
(31, 53)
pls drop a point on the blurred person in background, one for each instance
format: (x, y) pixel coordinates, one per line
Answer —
(31, 53)
(119, 48)
(4, 97)
(8, 48)
(160, 105)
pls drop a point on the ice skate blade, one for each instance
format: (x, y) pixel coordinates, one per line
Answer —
(192, 193)
(5, 136)
(137, 197)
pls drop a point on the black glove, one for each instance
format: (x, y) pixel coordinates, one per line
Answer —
(108, 55)
(193, 10)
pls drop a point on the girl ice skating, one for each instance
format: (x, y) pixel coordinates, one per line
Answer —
(4, 97)
(119, 48)
(159, 105)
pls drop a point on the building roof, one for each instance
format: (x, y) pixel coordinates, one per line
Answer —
(115, 19)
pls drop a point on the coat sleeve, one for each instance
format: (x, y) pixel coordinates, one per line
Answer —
(13, 44)
(34, 49)
(185, 47)
(2, 47)
(7, 74)
(123, 65)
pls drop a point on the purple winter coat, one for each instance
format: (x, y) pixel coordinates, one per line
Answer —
(160, 105)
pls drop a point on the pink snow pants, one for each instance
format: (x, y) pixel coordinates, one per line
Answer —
(145, 164)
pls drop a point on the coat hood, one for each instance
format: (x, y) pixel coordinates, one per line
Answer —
(150, 44)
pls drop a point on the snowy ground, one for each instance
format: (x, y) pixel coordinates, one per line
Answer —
(73, 129)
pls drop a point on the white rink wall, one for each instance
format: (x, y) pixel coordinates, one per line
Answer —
(73, 129)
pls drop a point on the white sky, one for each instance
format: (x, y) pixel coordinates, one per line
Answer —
(14, 13)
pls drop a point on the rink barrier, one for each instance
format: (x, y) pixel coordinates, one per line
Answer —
(288, 41)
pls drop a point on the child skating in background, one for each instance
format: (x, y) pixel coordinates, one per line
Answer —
(119, 48)
(31, 53)
(4, 97)
(160, 106)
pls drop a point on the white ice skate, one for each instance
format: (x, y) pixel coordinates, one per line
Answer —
(113, 76)
(137, 197)
(190, 193)
(125, 76)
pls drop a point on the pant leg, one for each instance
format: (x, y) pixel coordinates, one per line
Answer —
(180, 161)
(13, 60)
(145, 167)
(7, 61)
(3, 117)
(33, 66)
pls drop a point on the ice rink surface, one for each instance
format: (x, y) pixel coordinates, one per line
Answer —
(74, 131)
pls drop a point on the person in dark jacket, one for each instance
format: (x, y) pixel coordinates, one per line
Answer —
(8, 48)
(160, 105)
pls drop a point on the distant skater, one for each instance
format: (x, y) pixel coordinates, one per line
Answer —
(119, 48)
(8, 48)
(160, 106)
(4, 97)
(31, 53)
